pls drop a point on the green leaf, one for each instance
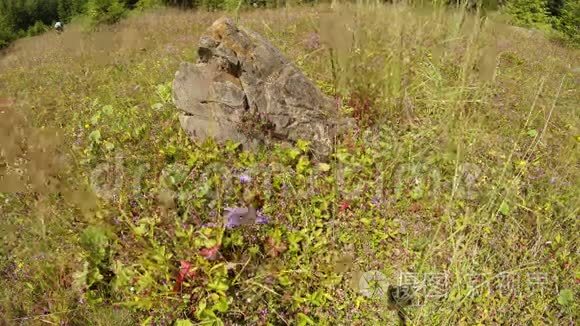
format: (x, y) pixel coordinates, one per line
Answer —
(94, 276)
(222, 305)
(532, 133)
(304, 320)
(170, 150)
(95, 136)
(164, 92)
(147, 321)
(342, 155)
(183, 322)
(324, 167)
(232, 146)
(140, 230)
(504, 208)
(109, 146)
(218, 285)
(108, 109)
(417, 193)
(95, 118)
(284, 280)
(566, 297)
(303, 145)
(293, 153)
(302, 165)
(202, 304)
(80, 277)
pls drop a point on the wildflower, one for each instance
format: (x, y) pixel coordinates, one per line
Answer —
(210, 253)
(244, 178)
(185, 272)
(344, 206)
(262, 219)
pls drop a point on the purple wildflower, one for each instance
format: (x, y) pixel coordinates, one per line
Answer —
(262, 219)
(244, 178)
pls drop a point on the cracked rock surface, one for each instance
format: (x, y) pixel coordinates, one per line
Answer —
(242, 88)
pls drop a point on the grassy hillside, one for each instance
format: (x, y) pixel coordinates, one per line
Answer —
(461, 178)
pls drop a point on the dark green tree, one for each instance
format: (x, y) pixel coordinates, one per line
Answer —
(555, 7)
(529, 13)
(67, 9)
(105, 11)
(22, 14)
(6, 31)
(569, 21)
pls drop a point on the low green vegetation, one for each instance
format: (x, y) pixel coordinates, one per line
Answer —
(461, 175)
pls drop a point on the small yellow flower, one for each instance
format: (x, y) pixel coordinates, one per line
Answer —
(87, 125)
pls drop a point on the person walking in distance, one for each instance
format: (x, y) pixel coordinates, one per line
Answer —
(59, 27)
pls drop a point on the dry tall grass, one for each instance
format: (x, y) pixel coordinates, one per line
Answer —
(437, 90)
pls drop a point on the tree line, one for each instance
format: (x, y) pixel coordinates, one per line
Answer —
(562, 16)
(19, 18)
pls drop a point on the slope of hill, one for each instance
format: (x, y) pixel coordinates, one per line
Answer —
(461, 179)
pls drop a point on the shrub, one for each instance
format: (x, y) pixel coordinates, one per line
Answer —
(105, 11)
(37, 29)
(67, 9)
(149, 4)
(569, 22)
(6, 34)
(529, 13)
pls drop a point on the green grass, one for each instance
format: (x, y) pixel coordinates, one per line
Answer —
(464, 162)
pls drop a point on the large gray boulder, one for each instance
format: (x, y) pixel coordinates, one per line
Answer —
(242, 88)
